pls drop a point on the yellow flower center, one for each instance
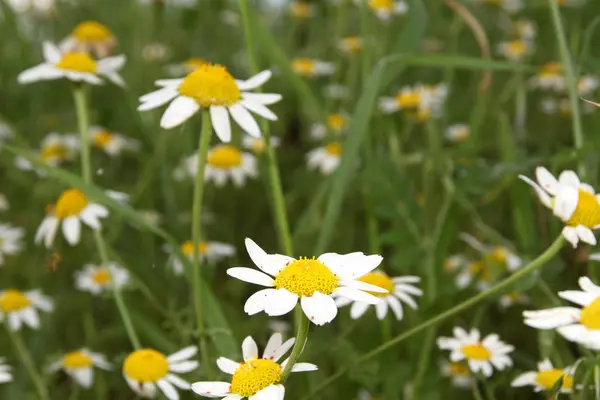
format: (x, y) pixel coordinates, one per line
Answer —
(303, 66)
(516, 48)
(381, 4)
(548, 379)
(71, 202)
(187, 248)
(13, 300)
(224, 156)
(458, 369)
(101, 276)
(306, 276)
(255, 375)
(479, 268)
(380, 279)
(211, 85)
(54, 152)
(146, 365)
(476, 352)
(334, 149)
(336, 122)
(76, 360)
(408, 99)
(102, 139)
(258, 145)
(300, 9)
(551, 69)
(498, 255)
(587, 212)
(461, 134)
(193, 63)
(80, 62)
(91, 31)
(590, 315)
(352, 44)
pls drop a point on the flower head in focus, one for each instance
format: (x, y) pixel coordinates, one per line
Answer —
(546, 377)
(326, 158)
(80, 364)
(311, 68)
(90, 37)
(210, 252)
(20, 308)
(98, 279)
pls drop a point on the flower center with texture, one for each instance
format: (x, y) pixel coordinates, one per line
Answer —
(379, 279)
(193, 63)
(300, 9)
(71, 202)
(13, 300)
(53, 152)
(458, 369)
(101, 276)
(548, 379)
(224, 157)
(187, 248)
(76, 360)
(551, 69)
(587, 212)
(303, 66)
(255, 375)
(516, 48)
(211, 85)
(102, 139)
(476, 352)
(80, 62)
(334, 149)
(590, 315)
(336, 122)
(91, 31)
(306, 276)
(381, 4)
(146, 365)
(408, 99)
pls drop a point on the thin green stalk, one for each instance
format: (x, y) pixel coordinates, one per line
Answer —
(597, 382)
(476, 392)
(571, 80)
(498, 288)
(204, 142)
(489, 392)
(26, 359)
(301, 338)
(74, 391)
(423, 364)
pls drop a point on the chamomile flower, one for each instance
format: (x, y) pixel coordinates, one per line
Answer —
(550, 77)
(454, 262)
(79, 365)
(458, 372)
(424, 101)
(481, 355)
(458, 133)
(350, 45)
(399, 290)
(55, 150)
(385, 9)
(510, 299)
(525, 29)
(312, 281)
(112, 143)
(43, 7)
(147, 371)
(474, 270)
(572, 201)
(74, 66)
(5, 371)
(587, 85)
(259, 145)
(71, 209)
(212, 87)
(515, 50)
(4, 204)
(210, 252)
(546, 377)
(326, 158)
(576, 325)
(11, 240)
(256, 378)
(97, 279)
(498, 254)
(301, 9)
(510, 6)
(90, 37)
(311, 68)
(20, 308)
(337, 123)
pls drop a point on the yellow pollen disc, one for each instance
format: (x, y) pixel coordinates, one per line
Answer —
(187, 248)
(551, 69)
(476, 352)
(336, 122)
(101, 276)
(54, 152)
(548, 379)
(146, 365)
(303, 66)
(80, 62)
(193, 63)
(306, 276)
(91, 31)
(76, 360)
(211, 85)
(516, 48)
(587, 212)
(590, 315)
(224, 156)
(71, 202)
(300, 9)
(381, 4)
(408, 100)
(255, 375)
(379, 279)
(334, 149)
(353, 44)
(13, 300)
(458, 369)
(102, 139)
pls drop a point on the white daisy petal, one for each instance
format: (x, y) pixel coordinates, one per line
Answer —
(168, 390)
(249, 349)
(546, 180)
(259, 109)
(319, 308)
(71, 227)
(244, 119)
(211, 389)
(358, 309)
(284, 348)
(571, 235)
(258, 301)
(586, 235)
(183, 354)
(178, 112)
(275, 342)
(221, 123)
(304, 367)
(262, 98)
(183, 367)
(255, 81)
(356, 295)
(280, 302)
(551, 318)
(542, 195)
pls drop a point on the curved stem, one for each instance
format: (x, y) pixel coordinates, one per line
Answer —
(523, 272)
(301, 338)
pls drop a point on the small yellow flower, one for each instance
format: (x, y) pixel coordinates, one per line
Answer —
(90, 37)
(80, 365)
(22, 307)
(311, 68)
(385, 9)
(515, 50)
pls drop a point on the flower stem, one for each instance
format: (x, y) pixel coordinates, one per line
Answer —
(501, 286)
(28, 362)
(204, 142)
(301, 338)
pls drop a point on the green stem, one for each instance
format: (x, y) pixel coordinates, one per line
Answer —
(489, 392)
(203, 144)
(501, 286)
(476, 392)
(423, 364)
(26, 359)
(597, 382)
(301, 338)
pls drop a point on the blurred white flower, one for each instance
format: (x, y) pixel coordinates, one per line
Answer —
(350, 44)
(525, 29)
(210, 252)
(515, 50)
(155, 52)
(55, 150)
(20, 308)
(11, 240)
(509, 299)
(458, 372)
(5, 372)
(258, 145)
(112, 143)
(587, 84)
(312, 68)
(562, 106)
(4, 204)
(385, 9)
(550, 77)
(458, 132)
(491, 253)
(425, 101)
(337, 123)
(326, 158)
(90, 37)
(5, 132)
(42, 7)
(80, 364)
(97, 279)
(546, 377)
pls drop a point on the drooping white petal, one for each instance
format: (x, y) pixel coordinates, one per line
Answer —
(220, 122)
(178, 382)
(542, 195)
(525, 379)
(280, 302)
(272, 392)
(84, 376)
(183, 354)
(304, 367)
(546, 180)
(319, 308)
(259, 109)
(168, 390)
(251, 276)
(570, 234)
(244, 119)
(356, 295)
(255, 81)
(358, 309)
(211, 389)
(183, 367)
(396, 307)
(586, 235)
(178, 112)
(72, 230)
(551, 318)
(52, 54)
(39, 72)
(258, 301)
(262, 98)
(157, 98)
(578, 297)
(565, 202)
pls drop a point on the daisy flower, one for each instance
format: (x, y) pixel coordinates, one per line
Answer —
(311, 68)
(574, 202)
(471, 270)
(210, 252)
(55, 150)
(98, 279)
(312, 281)
(90, 37)
(587, 84)
(350, 45)
(43, 7)
(525, 29)
(515, 50)
(385, 9)
(576, 325)
(481, 355)
(458, 133)
(22, 307)
(10, 240)
(458, 372)
(146, 370)
(80, 364)
(258, 145)
(325, 158)
(257, 378)
(510, 6)
(4, 204)
(510, 299)
(112, 143)
(336, 123)
(455, 261)
(71, 209)
(550, 77)
(494, 254)
(546, 377)
(399, 289)
(301, 9)
(424, 101)
(212, 87)
(5, 374)
(74, 66)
